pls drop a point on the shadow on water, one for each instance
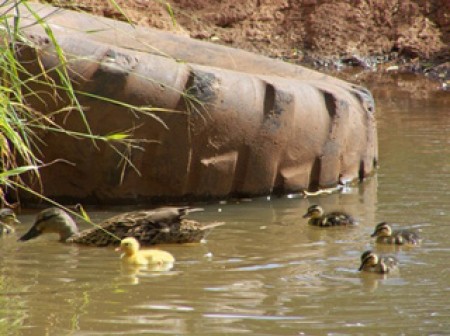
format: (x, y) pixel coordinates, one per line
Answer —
(265, 272)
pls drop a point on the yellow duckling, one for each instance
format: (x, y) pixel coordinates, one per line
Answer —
(158, 226)
(7, 221)
(318, 217)
(371, 262)
(132, 255)
(385, 235)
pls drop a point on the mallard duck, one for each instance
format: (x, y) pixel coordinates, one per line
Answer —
(132, 255)
(317, 217)
(371, 262)
(7, 221)
(149, 227)
(386, 235)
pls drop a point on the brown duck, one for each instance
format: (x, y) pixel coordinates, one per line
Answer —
(158, 226)
(7, 221)
(371, 262)
(385, 235)
(317, 217)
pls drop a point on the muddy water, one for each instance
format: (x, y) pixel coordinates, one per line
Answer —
(266, 272)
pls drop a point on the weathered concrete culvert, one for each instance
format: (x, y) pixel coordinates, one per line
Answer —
(274, 128)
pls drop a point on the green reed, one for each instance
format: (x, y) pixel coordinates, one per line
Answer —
(21, 124)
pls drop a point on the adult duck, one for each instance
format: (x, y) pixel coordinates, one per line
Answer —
(385, 235)
(316, 216)
(158, 226)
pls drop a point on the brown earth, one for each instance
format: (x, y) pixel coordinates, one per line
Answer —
(412, 33)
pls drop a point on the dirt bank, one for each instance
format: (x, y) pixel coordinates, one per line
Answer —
(411, 34)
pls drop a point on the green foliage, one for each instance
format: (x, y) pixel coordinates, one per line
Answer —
(21, 125)
(16, 138)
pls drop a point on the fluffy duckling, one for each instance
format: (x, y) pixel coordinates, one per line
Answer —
(318, 217)
(158, 226)
(132, 255)
(371, 262)
(385, 235)
(7, 221)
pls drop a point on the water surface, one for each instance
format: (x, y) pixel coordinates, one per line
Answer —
(266, 272)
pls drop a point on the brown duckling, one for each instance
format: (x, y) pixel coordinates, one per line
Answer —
(318, 217)
(7, 221)
(371, 262)
(158, 226)
(385, 235)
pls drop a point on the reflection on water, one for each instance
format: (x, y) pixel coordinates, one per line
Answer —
(266, 272)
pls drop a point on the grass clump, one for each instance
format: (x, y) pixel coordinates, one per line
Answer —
(21, 125)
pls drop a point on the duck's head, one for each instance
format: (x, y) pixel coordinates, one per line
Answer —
(8, 217)
(368, 259)
(383, 229)
(52, 220)
(314, 211)
(129, 246)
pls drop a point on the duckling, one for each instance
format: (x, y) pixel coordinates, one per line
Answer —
(158, 226)
(370, 262)
(132, 255)
(385, 235)
(317, 217)
(7, 220)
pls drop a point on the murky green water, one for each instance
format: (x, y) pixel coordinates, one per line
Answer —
(266, 272)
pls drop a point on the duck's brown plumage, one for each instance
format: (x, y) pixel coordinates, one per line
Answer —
(371, 262)
(317, 217)
(385, 235)
(158, 226)
(7, 221)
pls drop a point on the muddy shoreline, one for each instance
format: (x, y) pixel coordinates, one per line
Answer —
(390, 37)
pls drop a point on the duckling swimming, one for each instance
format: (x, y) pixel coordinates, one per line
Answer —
(385, 235)
(318, 217)
(132, 255)
(158, 226)
(7, 221)
(370, 262)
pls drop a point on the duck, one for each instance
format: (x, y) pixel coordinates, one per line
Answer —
(371, 262)
(317, 217)
(7, 221)
(385, 235)
(133, 255)
(158, 226)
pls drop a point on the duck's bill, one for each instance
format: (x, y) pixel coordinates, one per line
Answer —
(362, 264)
(13, 219)
(32, 233)
(373, 234)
